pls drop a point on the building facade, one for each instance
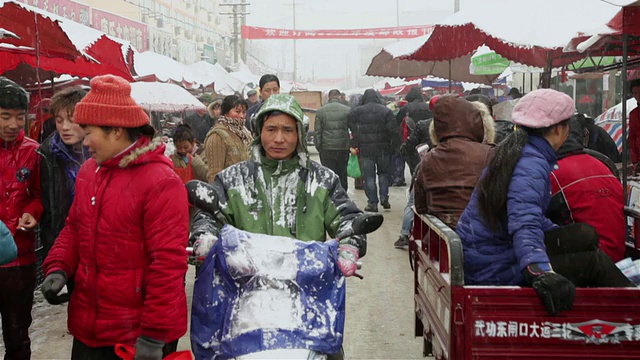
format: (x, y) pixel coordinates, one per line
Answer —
(185, 30)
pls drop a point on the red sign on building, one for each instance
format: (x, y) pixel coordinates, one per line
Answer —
(121, 27)
(254, 33)
(65, 8)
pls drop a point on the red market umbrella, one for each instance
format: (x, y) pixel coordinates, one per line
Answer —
(34, 30)
(617, 36)
(536, 39)
(106, 58)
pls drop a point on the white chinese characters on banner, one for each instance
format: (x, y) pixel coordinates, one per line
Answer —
(594, 331)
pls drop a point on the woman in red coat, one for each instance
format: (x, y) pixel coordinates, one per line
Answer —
(124, 242)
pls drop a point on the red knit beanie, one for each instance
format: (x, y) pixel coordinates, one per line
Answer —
(109, 103)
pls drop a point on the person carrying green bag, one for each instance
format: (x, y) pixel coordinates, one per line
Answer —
(353, 167)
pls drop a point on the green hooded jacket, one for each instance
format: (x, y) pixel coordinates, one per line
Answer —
(298, 198)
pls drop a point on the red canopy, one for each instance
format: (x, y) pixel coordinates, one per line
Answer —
(35, 31)
(107, 53)
(89, 51)
(536, 37)
(606, 40)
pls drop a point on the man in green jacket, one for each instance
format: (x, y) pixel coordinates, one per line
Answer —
(280, 191)
(332, 136)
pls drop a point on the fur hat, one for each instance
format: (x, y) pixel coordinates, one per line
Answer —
(109, 103)
(543, 108)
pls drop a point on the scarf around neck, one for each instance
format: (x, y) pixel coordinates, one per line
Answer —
(237, 127)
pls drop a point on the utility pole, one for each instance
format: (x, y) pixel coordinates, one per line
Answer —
(295, 55)
(235, 12)
(295, 49)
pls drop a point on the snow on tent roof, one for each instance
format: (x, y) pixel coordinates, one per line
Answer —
(539, 34)
(163, 67)
(216, 74)
(164, 97)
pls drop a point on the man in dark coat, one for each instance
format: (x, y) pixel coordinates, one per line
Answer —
(332, 136)
(375, 136)
(269, 85)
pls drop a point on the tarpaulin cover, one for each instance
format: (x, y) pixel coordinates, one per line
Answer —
(258, 292)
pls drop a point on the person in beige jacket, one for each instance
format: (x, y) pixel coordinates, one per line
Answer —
(228, 142)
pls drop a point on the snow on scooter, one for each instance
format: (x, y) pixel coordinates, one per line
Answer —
(267, 297)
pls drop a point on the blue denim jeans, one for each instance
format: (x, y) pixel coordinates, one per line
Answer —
(380, 165)
(398, 170)
(407, 216)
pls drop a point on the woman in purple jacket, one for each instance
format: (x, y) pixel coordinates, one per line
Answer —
(507, 239)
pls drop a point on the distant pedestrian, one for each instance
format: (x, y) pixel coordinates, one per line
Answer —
(269, 85)
(375, 136)
(332, 136)
(252, 97)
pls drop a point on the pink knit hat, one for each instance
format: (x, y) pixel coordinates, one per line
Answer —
(109, 103)
(543, 108)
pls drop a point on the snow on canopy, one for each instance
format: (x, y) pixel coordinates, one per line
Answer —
(164, 97)
(207, 73)
(164, 68)
(532, 39)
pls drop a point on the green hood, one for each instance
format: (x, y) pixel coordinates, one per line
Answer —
(289, 105)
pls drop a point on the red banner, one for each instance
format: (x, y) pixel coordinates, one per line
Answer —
(66, 8)
(121, 27)
(254, 33)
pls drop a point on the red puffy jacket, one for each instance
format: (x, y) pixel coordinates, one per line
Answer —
(124, 243)
(585, 190)
(20, 193)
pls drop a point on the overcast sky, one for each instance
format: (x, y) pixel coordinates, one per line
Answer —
(333, 58)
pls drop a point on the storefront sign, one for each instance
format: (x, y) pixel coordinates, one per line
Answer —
(209, 53)
(65, 8)
(121, 27)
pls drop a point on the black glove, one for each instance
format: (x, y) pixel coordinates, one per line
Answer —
(554, 290)
(148, 349)
(52, 285)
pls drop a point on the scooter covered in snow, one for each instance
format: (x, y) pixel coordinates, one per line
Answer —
(267, 297)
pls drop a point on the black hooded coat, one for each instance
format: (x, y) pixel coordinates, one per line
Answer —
(374, 127)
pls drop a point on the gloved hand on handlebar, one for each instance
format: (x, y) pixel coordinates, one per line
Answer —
(555, 291)
(348, 256)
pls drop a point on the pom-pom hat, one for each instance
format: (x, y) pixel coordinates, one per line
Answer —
(543, 108)
(109, 103)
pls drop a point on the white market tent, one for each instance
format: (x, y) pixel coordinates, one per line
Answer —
(164, 97)
(224, 83)
(165, 69)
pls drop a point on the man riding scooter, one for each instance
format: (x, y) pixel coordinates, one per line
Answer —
(280, 191)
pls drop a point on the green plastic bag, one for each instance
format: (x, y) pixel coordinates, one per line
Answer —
(353, 167)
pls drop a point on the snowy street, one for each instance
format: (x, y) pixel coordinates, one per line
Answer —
(380, 317)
